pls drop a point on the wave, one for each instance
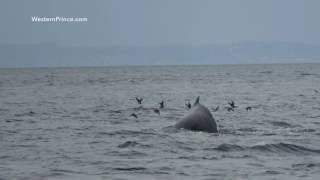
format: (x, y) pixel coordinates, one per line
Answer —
(266, 72)
(131, 133)
(128, 144)
(30, 113)
(269, 148)
(306, 165)
(281, 124)
(129, 168)
(307, 74)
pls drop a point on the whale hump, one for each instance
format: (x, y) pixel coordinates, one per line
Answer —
(198, 119)
(196, 101)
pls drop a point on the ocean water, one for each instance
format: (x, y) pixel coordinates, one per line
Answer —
(75, 123)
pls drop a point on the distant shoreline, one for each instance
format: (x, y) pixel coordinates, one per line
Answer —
(150, 65)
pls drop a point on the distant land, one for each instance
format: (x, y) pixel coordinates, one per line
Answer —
(47, 55)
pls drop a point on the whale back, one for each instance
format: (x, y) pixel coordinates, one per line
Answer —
(199, 119)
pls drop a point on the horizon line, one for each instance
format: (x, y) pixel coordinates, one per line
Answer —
(158, 45)
(150, 65)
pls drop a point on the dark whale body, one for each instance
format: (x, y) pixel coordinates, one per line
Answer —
(199, 119)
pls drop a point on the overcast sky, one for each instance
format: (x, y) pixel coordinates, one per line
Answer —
(161, 22)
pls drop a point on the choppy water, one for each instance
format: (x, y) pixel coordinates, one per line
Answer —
(75, 123)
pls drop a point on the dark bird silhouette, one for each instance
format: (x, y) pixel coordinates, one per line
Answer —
(230, 109)
(156, 111)
(161, 104)
(31, 113)
(232, 104)
(216, 109)
(248, 108)
(316, 91)
(188, 104)
(139, 100)
(134, 115)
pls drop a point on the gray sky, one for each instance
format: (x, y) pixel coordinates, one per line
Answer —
(161, 22)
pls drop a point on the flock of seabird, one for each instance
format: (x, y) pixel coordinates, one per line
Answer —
(229, 108)
(155, 110)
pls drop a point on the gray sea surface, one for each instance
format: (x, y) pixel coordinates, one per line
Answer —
(76, 123)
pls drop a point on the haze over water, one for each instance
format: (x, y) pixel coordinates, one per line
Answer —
(75, 123)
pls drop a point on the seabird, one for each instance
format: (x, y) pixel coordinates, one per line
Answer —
(139, 100)
(230, 109)
(232, 104)
(134, 115)
(216, 109)
(161, 104)
(156, 111)
(188, 104)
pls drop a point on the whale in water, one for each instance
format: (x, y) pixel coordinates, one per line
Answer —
(198, 119)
